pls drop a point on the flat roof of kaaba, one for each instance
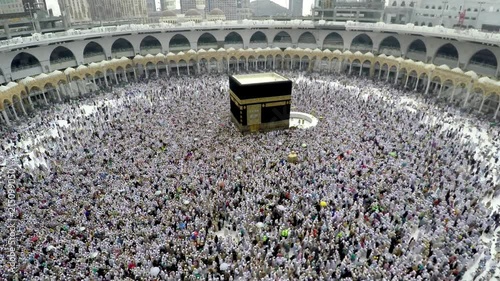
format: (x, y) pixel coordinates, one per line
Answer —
(247, 79)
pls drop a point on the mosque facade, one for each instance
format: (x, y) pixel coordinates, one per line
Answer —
(459, 65)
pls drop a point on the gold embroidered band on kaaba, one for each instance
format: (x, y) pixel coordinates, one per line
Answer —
(235, 98)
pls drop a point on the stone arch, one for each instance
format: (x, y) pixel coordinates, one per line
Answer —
(207, 41)
(417, 51)
(362, 43)
(122, 48)
(233, 39)
(258, 38)
(390, 46)
(93, 52)
(446, 54)
(179, 43)
(306, 40)
(61, 58)
(282, 38)
(24, 60)
(483, 61)
(150, 45)
(333, 41)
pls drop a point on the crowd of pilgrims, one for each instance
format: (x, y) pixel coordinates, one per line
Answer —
(152, 181)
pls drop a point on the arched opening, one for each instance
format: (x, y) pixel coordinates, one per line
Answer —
(122, 48)
(307, 40)
(233, 64)
(483, 62)
(179, 43)
(242, 62)
(25, 64)
(252, 63)
(417, 51)
(390, 46)
(258, 39)
(447, 54)
(207, 41)
(333, 41)
(213, 65)
(362, 43)
(282, 40)
(93, 52)
(150, 45)
(62, 58)
(233, 40)
(9, 110)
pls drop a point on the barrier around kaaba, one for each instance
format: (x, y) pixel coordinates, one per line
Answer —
(260, 102)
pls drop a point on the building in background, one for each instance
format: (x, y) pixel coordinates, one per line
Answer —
(75, 12)
(349, 10)
(267, 8)
(295, 7)
(477, 14)
(8, 7)
(228, 7)
(118, 10)
(151, 6)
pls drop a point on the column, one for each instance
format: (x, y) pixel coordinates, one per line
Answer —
(6, 117)
(428, 85)
(388, 75)
(22, 107)
(300, 64)
(167, 69)
(105, 80)
(468, 94)
(416, 84)
(116, 77)
(379, 73)
(496, 111)
(14, 111)
(135, 74)
(453, 93)
(440, 90)
(158, 72)
(482, 103)
(406, 82)
(146, 72)
(397, 77)
(178, 71)
(187, 68)
(45, 98)
(274, 63)
(350, 68)
(58, 95)
(360, 70)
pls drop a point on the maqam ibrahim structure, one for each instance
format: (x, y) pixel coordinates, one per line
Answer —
(459, 67)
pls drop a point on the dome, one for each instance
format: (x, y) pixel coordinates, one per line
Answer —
(369, 54)
(12, 84)
(444, 66)
(192, 13)
(168, 14)
(471, 74)
(216, 12)
(457, 70)
(43, 75)
(358, 53)
(149, 56)
(191, 52)
(69, 70)
(138, 57)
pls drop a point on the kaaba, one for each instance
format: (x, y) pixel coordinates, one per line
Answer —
(260, 102)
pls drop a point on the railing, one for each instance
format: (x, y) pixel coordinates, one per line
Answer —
(436, 31)
(24, 67)
(88, 55)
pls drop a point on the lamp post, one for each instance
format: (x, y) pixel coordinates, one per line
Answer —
(30, 8)
(442, 11)
(479, 12)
